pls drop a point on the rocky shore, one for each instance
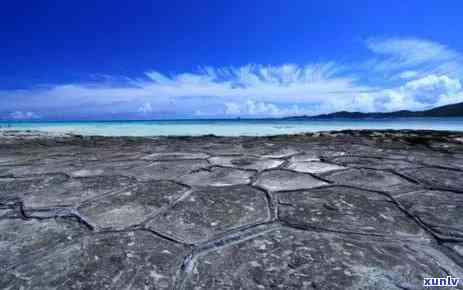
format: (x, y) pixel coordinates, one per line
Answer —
(330, 210)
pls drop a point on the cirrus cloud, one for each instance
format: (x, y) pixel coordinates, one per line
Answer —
(422, 73)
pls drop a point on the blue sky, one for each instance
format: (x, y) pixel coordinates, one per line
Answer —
(224, 59)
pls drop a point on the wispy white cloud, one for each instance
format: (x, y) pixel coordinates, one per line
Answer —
(411, 51)
(412, 54)
(145, 108)
(408, 74)
(315, 86)
(19, 115)
(422, 74)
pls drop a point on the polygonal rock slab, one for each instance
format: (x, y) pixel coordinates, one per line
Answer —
(128, 260)
(437, 177)
(142, 170)
(109, 168)
(330, 154)
(10, 159)
(133, 206)
(371, 179)
(211, 211)
(289, 259)
(24, 240)
(10, 212)
(280, 153)
(37, 168)
(350, 210)
(169, 170)
(305, 157)
(426, 158)
(442, 211)
(20, 185)
(217, 176)
(246, 162)
(111, 154)
(224, 148)
(60, 190)
(375, 163)
(11, 189)
(277, 180)
(314, 167)
(175, 156)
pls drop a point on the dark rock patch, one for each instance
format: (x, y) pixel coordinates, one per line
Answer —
(287, 259)
(348, 210)
(209, 212)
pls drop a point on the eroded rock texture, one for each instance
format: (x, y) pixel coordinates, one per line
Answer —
(289, 259)
(330, 210)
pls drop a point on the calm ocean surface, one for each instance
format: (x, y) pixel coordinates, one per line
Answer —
(231, 127)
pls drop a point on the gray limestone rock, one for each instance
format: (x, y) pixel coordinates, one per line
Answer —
(169, 170)
(442, 211)
(126, 260)
(57, 190)
(8, 213)
(175, 156)
(333, 210)
(143, 170)
(305, 157)
(217, 176)
(437, 177)
(372, 179)
(313, 167)
(24, 240)
(280, 153)
(278, 180)
(348, 210)
(291, 259)
(373, 162)
(246, 162)
(208, 212)
(132, 206)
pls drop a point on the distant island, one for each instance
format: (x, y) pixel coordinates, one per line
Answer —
(453, 110)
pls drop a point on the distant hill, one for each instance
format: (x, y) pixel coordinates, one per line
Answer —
(454, 110)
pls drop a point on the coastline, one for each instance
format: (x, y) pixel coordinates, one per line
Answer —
(450, 135)
(261, 127)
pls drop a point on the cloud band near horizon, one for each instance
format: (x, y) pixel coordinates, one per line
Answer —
(400, 73)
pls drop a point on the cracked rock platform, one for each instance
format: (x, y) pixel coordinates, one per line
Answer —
(330, 210)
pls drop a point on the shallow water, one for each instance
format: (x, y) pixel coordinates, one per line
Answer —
(231, 127)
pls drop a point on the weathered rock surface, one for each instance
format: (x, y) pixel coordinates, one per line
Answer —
(346, 209)
(442, 211)
(62, 190)
(246, 162)
(217, 176)
(132, 206)
(209, 212)
(314, 167)
(278, 180)
(289, 259)
(373, 162)
(330, 210)
(126, 260)
(175, 156)
(372, 179)
(22, 241)
(437, 177)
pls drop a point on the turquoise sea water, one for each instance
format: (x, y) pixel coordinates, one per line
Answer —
(231, 127)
